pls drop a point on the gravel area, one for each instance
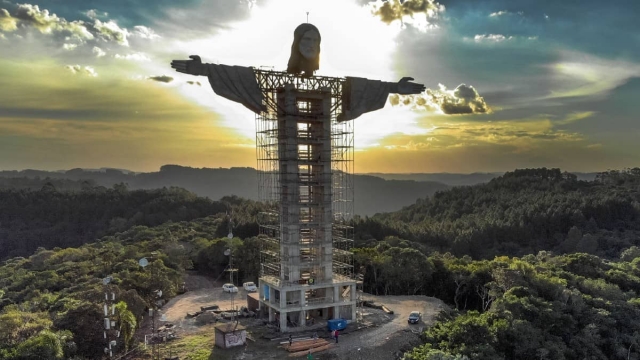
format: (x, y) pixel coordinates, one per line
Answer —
(390, 335)
(383, 336)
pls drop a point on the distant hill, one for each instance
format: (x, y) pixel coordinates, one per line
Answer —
(522, 212)
(461, 179)
(372, 194)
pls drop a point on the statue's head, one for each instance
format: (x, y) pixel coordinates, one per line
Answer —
(305, 50)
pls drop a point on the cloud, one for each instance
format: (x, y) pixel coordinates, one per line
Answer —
(575, 117)
(161, 78)
(491, 37)
(94, 14)
(69, 46)
(134, 57)
(111, 31)
(499, 13)
(578, 74)
(504, 13)
(86, 70)
(463, 100)
(47, 23)
(390, 11)
(194, 83)
(98, 52)
(7, 22)
(144, 32)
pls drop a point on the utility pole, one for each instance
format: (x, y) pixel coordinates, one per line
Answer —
(110, 332)
(155, 350)
(229, 253)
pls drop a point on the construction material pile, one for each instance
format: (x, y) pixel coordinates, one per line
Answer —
(303, 347)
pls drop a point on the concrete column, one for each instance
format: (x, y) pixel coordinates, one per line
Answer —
(272, 294)
(272, 314)
(303, 318)
(336, 294)
(354, 294)
(336, 312)
(303, 301)
(353, 313)
(283, 299)
(283, 321)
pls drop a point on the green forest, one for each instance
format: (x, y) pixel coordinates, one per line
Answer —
(534, 264)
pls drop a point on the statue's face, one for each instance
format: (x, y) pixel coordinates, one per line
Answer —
(310, 44)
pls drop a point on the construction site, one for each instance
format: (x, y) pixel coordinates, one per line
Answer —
(305, 167)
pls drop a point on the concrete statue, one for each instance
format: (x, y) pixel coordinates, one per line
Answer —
(238, 83)
(304, 147)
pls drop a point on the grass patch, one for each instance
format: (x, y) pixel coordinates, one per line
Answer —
(197, 346)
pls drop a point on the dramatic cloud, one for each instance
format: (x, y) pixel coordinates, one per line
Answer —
(161, 78)
(111, 31)
(46, 23)
(463, 100)
(7, 23)
(194, 83)
(393, 10)
(86, 70)
(98, 52)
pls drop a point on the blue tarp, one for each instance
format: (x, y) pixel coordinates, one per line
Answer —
(336, 324)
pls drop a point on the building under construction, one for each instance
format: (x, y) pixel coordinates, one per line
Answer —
(305, 167)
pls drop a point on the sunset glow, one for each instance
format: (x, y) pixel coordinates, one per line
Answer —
(88, 84)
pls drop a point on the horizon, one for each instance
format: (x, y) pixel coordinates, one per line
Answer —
(94, 169)
(509, 86)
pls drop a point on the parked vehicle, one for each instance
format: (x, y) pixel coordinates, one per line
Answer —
(230, 288)
(250, 286)
(414, 317)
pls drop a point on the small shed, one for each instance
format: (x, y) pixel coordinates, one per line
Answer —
(230, 334)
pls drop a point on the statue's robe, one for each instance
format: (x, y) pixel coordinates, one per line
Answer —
(238, 83)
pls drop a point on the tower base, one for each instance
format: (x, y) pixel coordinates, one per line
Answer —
(295, 306)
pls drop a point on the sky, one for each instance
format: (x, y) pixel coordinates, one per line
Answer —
(510, 83)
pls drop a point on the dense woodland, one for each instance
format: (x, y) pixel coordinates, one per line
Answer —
(49, 217)
(520, 213)
(534, 265)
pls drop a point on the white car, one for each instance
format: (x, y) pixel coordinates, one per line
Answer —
(250, 286)
(230, 288)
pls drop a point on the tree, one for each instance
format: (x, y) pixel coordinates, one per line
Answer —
(86, 324)
(126, 322)
(45, 345)
(16, 326)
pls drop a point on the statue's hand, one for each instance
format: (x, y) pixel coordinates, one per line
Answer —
(192, 67)
(406, 87)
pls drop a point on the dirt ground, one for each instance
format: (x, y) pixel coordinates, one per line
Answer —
(384, 337)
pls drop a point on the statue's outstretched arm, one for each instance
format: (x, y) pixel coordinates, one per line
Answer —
(192, 67)
(406, 87)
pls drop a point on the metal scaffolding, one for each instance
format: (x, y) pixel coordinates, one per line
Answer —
(305, 159)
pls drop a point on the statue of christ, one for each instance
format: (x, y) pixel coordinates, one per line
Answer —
(239, 84)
